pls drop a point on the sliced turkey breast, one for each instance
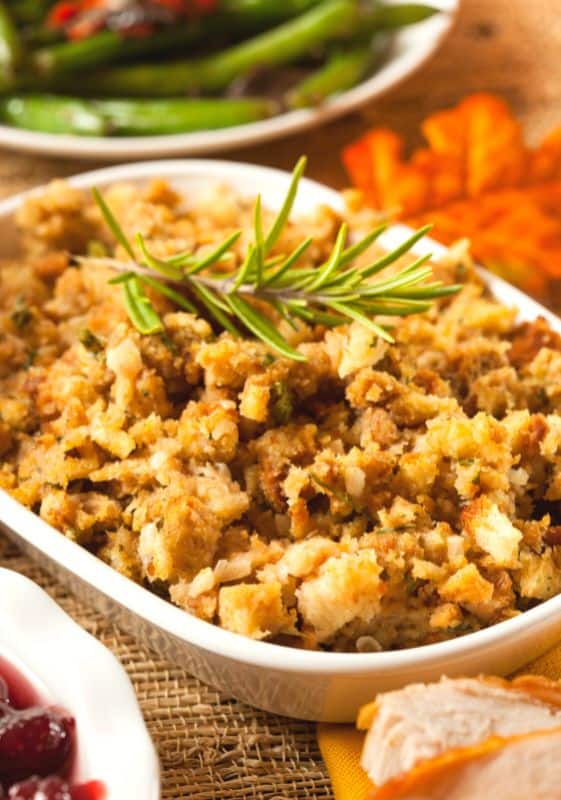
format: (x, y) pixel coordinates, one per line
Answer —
(524, 767)
(423, 721)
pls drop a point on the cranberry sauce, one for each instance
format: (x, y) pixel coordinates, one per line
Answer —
(15, 688)
(94, 790)
(37, 744)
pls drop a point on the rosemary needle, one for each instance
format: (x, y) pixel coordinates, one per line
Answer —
(334, 293)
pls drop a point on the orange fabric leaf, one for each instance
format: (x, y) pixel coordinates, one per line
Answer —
(385, 150)
(495, 153)
(545, 161)
(446, 134)
(407, 190)
(355, 157)
(444, 172)
(476, 179)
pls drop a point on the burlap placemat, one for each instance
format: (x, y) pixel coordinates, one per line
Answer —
(210, 747)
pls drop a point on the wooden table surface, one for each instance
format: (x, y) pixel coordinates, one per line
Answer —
(511, 47)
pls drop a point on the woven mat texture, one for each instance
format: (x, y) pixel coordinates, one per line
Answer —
(211, 747)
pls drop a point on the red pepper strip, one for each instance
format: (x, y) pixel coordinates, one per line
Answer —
(82, 18)
(63, 12)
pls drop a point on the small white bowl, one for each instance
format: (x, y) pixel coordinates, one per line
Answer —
(298, 683)
(412, 47)
(71, 669)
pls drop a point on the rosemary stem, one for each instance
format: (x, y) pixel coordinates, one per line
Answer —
(224, 286)
(330, 294)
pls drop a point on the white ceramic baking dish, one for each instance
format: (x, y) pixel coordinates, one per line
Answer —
(307, 685)
(69, 668)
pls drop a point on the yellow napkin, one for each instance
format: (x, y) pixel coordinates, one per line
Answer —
(341, 745)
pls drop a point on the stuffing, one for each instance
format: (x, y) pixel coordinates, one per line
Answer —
(376, 496)
(254, 610)
(182, 542)
(5, 438)
(209, 431)
(347, 588)
(466, 586)
(493, 532)
(539, 576)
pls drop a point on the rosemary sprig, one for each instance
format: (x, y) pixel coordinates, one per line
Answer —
(334, 293)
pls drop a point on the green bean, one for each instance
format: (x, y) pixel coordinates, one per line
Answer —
(341, 72)
(389, 17)
(50, 114)
(240, 17)
(282, 32)
(281, 45)
(329, 20)
(108, 46)
(62, 56)
(157, 117)
(10, 46)
(269, 11)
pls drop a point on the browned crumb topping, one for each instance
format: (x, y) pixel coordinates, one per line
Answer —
(377, 496)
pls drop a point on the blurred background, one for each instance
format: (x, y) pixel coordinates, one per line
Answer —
(509, 47)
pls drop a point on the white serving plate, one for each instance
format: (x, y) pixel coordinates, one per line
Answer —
(71, 669)
(297, 683)
(412, 47)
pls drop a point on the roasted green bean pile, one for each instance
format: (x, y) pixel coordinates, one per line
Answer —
(147, 67)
